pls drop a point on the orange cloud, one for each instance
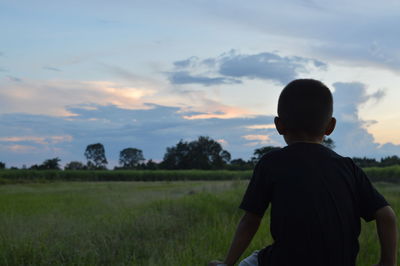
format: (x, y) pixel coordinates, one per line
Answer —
(21, 148)
(219, 111)
(261, 138)
(263, 126)
(222, 142)
(32, 96)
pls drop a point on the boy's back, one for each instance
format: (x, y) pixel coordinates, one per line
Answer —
(317, 196)
(317, 200)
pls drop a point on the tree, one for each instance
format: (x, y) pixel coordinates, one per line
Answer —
(260, 152)
(34, 167)
(365, 162)
(151, 165)
(50, 164)
(390, 160)
(2, 165)
(329, 143)
(95, 155)
(203, 153)
(75, 165)
(130, 158)
(240, 164)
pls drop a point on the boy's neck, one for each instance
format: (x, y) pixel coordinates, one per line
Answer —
(291, 139)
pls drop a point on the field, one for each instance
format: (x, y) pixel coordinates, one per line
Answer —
(376, 174)
(133, 223)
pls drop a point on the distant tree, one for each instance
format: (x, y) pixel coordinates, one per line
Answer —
(240, 164)
(177, 157)
(96, 157)
(130, 158)
(329, 143)
(75, 165)
(151, 165)
(2, 165)
(390, 160)
(50, 164)
(34, 167)
(260, 152)
(365, 162)
(203, 153)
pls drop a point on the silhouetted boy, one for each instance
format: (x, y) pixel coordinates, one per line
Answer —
(317, 196)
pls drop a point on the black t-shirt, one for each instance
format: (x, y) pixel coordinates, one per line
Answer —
(317, 198)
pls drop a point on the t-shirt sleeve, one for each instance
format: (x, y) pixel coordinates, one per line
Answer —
(370, 200)
(258, 194)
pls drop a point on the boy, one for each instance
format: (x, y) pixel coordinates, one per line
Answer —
(317, 196)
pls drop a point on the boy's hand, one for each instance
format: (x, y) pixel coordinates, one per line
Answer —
(387, 232)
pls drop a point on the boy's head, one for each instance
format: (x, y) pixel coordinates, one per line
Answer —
(305, 109)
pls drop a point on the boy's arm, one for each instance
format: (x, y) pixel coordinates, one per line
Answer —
(387, 232)
(245, 231)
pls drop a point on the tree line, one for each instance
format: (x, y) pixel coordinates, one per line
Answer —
(203, 153)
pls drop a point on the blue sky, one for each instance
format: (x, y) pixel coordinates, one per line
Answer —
(146, 74)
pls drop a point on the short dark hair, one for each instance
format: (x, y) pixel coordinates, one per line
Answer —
(305, 106)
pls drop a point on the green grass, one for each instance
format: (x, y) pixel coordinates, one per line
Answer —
(133, 223)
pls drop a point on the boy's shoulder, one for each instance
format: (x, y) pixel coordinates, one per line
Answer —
(300, 152)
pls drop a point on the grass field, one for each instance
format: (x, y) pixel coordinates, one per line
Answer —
(133, 223)
(376, 174)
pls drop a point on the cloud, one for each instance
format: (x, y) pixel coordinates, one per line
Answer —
(265, 66)
(122, 72)
(21, 148)
(37, 140)
(231, 67)
(52, 68)
(186, 63)
(351, 134)
(262, 139)
(14, 79)
(322, 28)
(31, 95)
(262, 126)
(184, 77)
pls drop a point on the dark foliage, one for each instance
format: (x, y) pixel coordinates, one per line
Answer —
(96, 157)
(75, 165)
(365, 162)
(329, 143)
(130, 158)
(52, 164)
(203, 153)
(240, 164)
(2, 165)
(390, 160)
(49, 164)
(258, 153)
(371, 162)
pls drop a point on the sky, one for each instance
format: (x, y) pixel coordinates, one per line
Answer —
(147, 74)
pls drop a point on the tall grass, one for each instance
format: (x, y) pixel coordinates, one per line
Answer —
(125, 223)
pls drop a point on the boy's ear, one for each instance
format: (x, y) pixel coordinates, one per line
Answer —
(279, 126)
(331, 126)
